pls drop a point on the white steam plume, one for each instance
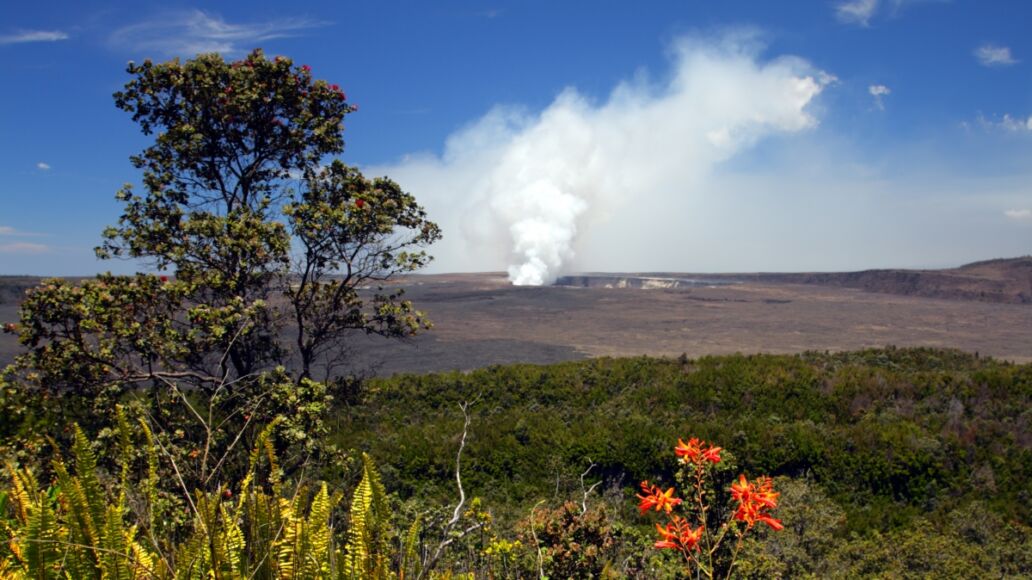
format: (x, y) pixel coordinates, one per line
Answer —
(520, 187)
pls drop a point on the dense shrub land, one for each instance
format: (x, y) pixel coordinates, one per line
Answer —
(898, 459)
(892, 463)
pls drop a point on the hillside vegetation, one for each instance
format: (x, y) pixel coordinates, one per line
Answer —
(888, 463)
(928, 447)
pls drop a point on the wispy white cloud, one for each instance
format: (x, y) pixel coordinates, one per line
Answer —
(23, 248)
(43, 165)
(12, 231)
(1024, 214)
(23, 36)
(195, 31)
(992, 55)
(1007, 123)
(898, 6)
(862, 12)
(856, 11)
(878, 92)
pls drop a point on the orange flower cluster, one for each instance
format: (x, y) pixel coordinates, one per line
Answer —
(697, 451)
(754, 499)
(707, 553)
(657, 498)
(679, 535)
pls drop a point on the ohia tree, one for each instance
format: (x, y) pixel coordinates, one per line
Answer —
(278, 253)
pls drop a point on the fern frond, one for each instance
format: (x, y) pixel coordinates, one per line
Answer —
(192, 557)
(263, 444)
(318, 559)
(82, 527)
(409, 549)
(232, 545)
(287, 547)
(42, 536)
(114, 550)
(143, 562)
(22, 481)
(356, 550)
(150, 484)
(367, 539)
(125, 448)
(86, 475)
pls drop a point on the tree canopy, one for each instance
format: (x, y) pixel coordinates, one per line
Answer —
(275, 254)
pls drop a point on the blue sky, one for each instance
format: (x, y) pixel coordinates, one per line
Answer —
(911, 147)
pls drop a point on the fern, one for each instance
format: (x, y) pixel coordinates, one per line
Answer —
(41, 539)
(114, 549)
(125, 448)
(77, 530)
(409, 552)
(367, 545)
(320, 535)
(86, 472)
(80, 523)
(263, 444)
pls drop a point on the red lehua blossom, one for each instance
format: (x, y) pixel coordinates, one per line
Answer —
(163, 278)
(335, 88)
(306, 68)
(359, 203)
(226, 493)
(656, 498)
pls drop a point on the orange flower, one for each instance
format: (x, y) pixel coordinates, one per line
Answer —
(656, 498)
(679, 535)
(669, 535)
(753, 501)
(689, 451)
(712, 454)
(696, 451)
(773, 523)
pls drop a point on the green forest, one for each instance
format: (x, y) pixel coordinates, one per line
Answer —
(200, 421)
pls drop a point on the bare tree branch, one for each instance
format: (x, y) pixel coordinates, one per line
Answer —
(587, 492)
(457, 514)
(537, 544)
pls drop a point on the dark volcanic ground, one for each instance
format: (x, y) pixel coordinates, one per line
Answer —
(481, 320)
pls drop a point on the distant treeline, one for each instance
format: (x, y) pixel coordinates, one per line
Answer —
(12, 288)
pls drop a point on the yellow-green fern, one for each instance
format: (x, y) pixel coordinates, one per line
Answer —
(366, 553)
